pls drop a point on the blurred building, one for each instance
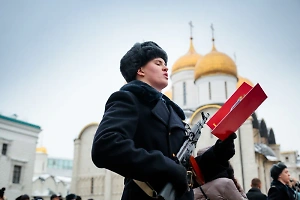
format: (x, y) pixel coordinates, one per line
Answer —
(292, 161)
(18, 140)
(51, 175)
(89, 181)
(200, 83)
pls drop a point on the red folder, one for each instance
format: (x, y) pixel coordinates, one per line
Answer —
(235, 111)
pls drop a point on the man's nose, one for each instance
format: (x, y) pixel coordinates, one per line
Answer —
(165, 68)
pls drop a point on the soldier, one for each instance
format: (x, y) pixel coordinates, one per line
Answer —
(279, 186)
(142, 129)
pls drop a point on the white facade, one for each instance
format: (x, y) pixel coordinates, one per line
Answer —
(88, 181)
(40, 164)
(45, 185)
(50, 178)
(184, 89)
(19, 138)
(215, 89)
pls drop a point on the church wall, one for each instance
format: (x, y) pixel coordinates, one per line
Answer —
(256, 135)
(243, 161)
(117, 185)
(88, 181)
(289, 158)
(37, 187)
(178, 80)
(263, 173)
(86, 166)
(75, 174)
(40, 164)
(215, 89)
(61, 189)
(268, 165)
(50, 183)
(41, 187)
(276, 149)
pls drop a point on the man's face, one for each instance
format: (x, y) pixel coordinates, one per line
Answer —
(284, 176)
(155, 73)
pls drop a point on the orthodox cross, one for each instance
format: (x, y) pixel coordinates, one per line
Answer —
(191, 28)
(212, 30)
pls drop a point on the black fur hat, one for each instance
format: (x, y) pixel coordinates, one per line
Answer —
(277, 169)
(139, 55)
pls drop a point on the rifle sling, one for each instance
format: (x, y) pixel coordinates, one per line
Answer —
(146, 187)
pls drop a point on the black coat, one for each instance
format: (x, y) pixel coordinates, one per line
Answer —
(255, 194)
(133, 138)
(279, 191)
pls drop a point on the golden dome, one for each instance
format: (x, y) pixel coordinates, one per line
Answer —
(215, 63)
(187, 61)
(168, 93)
(242, 80)
(41, 150)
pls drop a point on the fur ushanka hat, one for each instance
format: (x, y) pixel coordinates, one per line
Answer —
(277, 169)
(139, 55)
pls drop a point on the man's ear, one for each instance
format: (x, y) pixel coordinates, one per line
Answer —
(140, 72)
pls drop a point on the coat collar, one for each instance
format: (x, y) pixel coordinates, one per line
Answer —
(149, 95)
(254, 190)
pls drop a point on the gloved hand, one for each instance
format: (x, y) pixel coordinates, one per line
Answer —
(179, 181)
(225, 150)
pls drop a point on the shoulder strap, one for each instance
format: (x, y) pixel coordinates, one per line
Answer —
(203, 193)
(147, 188)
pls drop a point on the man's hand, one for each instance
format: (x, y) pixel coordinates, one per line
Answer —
(179, 181)
(225, 150)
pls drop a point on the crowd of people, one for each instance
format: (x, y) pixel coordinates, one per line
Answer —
(70, 196)
(223, 185)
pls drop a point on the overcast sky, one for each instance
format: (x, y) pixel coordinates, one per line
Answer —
(59, 60)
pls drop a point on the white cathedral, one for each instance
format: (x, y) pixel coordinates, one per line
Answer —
(199, 84)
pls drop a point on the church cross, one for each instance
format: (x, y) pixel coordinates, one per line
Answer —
(191, 28)
(212, 30)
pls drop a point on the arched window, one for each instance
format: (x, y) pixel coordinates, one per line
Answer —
(184, 93)
(92, 185)
(209, 90)
(226, 95)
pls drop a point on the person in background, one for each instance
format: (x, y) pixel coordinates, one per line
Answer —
(37, 198)
(254, 193)
(279, 189)
(218, 175)
(2, 197)
(71, 197)
(23, 197)
(54, 197)
(78, 197)
(295, 185)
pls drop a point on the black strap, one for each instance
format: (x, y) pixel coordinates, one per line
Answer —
(203, 193)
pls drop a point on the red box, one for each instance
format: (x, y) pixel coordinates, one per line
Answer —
(235, 111)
